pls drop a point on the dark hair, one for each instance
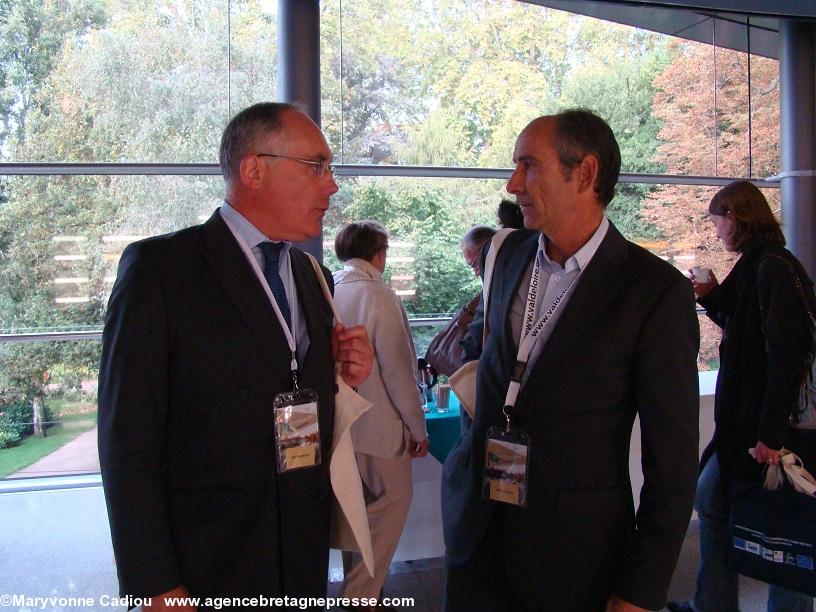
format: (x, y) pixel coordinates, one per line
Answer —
(245, 129)
(580, 132)
(509, 214)
(362, 240)
(476, 236)
(752, 214)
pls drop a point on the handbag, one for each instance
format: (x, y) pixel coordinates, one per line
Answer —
(805, 417)
(445, 351)
(772, 527)
(349, 528)
(463, 381)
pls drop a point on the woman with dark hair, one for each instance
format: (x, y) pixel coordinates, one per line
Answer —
(765, 350)
(392, 432)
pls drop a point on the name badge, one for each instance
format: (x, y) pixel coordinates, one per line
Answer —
(507, 456)
(297, 430)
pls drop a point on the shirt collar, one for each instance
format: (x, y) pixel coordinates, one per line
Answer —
(583, 255)
(250, 234)
(364, 267)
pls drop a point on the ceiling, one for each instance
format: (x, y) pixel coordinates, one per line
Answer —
(733, 24)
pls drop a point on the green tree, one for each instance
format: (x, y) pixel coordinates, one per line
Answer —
(32, 33)
(108, 81)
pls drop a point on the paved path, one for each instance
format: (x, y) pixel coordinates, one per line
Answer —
(79, 456)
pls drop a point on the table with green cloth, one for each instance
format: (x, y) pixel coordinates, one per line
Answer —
(443, 428)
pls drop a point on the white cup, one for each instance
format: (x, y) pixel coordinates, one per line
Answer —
(701, 275)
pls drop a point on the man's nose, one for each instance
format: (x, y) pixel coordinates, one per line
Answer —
(515, 184)
(332, 186)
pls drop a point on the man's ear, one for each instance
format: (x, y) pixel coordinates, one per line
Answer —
(251, 171)
(586, 172)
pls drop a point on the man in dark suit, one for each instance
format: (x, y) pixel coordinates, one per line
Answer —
(621, 340)
(204, 330)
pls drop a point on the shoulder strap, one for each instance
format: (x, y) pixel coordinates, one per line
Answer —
(796, 282)
(495, 244)
(325, 286)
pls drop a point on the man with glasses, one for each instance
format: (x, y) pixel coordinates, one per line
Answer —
(472, 243)
(212, 334)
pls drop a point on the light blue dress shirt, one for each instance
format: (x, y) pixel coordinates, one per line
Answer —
(251, 236)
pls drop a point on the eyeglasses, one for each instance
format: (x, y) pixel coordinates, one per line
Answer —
(320, 167)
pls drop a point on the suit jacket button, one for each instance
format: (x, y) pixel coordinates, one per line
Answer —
(243, 392)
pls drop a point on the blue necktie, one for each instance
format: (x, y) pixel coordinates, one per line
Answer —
(271, 252)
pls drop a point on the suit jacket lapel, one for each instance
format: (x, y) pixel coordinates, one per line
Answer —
(228, 263)
(597, 287)
(505, 288)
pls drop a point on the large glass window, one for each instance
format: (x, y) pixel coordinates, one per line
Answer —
(451, 84)
(114, 81)
(404, 83)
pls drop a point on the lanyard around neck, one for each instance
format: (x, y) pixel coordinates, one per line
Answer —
(531, 329)
(290, 336)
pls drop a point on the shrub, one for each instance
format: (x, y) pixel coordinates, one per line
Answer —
(9, 431)
(18, 415)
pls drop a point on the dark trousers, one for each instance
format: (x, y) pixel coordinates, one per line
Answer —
(480, 583)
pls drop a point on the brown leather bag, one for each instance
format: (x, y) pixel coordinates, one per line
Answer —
(445, 353)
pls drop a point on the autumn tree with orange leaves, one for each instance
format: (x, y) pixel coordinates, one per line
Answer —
(702, 101)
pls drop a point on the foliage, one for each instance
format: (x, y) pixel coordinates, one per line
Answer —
(32, 34)
(18, 416)
(411, 82)
(10, 432)
(700, 137)
(422, 218)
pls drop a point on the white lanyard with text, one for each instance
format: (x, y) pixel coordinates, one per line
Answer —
(507, 453)
(529, 333)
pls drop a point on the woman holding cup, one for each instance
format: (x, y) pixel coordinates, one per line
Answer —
(765, 350)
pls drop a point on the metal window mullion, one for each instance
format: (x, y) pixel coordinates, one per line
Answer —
(24, 169)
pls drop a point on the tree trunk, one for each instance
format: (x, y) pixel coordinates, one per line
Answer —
(38, 414)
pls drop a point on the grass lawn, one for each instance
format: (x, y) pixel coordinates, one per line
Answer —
(30, 449)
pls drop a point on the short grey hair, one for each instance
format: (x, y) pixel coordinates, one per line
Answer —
(245, 129)
(476, 236)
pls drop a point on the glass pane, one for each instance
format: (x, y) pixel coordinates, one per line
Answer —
(253, 57)
(688, 240)
(48, 408)
(702, 105)
(427, 219)
(732, 113)
(765, 119)
(61, 238)
(132, 82)
(453, 83)
(684, 106)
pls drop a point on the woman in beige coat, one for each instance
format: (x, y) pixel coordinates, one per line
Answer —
(389, 435)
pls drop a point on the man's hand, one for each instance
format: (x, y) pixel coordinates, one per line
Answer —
(763, 454)
(616, 604)
(352, 349)
(419, 449)
(157, 602)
